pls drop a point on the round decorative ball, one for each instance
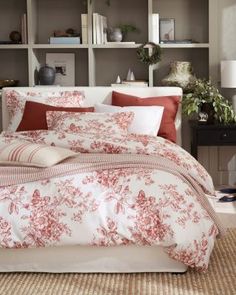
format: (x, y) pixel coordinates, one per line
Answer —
(15, 36)
(47, 75)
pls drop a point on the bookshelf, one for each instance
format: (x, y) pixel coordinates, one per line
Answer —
(100, 64)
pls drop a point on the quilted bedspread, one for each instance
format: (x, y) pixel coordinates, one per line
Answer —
(132, 200)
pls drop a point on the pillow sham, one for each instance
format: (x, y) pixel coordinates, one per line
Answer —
(15, 101)
(98, 123)
(20, 153)
(146, 120)
(170, 104)
(34, 116)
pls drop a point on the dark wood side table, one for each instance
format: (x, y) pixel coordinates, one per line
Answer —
(211, 135)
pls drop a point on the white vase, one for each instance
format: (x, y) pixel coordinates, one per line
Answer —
(180, 74)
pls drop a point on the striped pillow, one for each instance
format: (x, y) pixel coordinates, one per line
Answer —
(23, 153)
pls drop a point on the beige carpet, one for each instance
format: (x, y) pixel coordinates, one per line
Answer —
(219, 280)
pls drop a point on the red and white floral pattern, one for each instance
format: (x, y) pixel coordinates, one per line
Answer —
(99, 123)
(113, 206)
(15, 101)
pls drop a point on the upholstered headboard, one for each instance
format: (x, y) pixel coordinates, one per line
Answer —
(103, 95)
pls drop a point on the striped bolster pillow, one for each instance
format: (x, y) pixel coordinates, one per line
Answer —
(22, 153)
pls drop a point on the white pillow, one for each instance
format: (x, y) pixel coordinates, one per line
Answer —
(147, 120)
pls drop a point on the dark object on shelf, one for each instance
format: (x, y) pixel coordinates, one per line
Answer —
(46, 75)
(15, 36)
(226, 199)
(228, 190)
(180, 41)
(7, 42)
(68, 33)
(8, 83)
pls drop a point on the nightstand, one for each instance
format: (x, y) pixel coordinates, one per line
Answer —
(211, 135)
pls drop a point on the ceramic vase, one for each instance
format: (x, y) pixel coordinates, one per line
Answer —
(181, 74)
(115, 35)
(46, 75)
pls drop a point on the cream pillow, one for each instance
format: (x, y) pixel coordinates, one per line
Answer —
(23, 153)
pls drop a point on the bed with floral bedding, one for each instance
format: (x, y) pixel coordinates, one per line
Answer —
(106, 189)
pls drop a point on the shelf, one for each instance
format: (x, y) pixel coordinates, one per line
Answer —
(58, 46)
(113, 46)
(186, 45)
(14, 46)
(46, 16)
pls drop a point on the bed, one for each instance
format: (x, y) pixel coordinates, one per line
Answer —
(116, 253)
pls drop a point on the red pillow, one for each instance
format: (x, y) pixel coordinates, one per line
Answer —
(170, 104)
(34, 117)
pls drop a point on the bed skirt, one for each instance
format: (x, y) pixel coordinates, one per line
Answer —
(84, 259)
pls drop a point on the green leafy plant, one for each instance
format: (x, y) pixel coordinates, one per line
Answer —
(127, 28)
(203, 92)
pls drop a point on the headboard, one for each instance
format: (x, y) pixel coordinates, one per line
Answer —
(103, 95)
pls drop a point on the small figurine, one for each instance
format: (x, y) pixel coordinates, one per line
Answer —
(118, 80)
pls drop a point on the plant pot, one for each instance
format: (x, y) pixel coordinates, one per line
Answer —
(115, 35)
(209, 110)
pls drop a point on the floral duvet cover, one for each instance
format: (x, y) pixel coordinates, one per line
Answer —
(118, 205)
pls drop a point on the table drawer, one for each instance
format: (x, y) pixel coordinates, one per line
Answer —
(216, 137)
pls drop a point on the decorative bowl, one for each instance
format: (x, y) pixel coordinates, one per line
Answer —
(8, 83)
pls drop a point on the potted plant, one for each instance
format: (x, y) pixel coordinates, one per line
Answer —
(205, 97)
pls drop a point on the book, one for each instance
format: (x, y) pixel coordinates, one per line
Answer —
(94, 28)
(24, 37)
(120, 42)
(84, 28)
(142, 83)
(104, 29)
(155, 28)
(181, 41)
(98, 28)
(64, 40)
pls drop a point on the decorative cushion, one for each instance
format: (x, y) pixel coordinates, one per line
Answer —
(170, 104)
(146, 121)
(98, 123)
(21, 153)
(15, 101)
(34, 116)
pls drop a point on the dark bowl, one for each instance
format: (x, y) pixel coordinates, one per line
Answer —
(8, 83)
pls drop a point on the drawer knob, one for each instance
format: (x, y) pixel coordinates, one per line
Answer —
(225, 135)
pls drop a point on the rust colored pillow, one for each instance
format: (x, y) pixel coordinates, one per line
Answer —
(170, 104)
(34, 117)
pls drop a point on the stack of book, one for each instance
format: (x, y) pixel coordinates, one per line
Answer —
(64, 40)
(99, 29)
(133, 83)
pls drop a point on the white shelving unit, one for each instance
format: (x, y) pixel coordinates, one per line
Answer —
(100, 64)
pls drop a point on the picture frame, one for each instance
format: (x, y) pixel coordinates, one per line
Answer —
(167, 29)
(64, 64)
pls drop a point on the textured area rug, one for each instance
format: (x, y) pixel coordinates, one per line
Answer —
(220, 279)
